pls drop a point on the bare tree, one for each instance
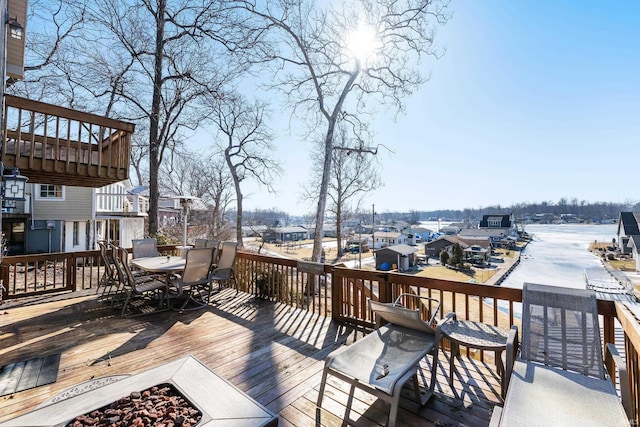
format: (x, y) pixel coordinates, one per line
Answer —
(341, 62)
(203, 176)
(353, 175)
(246, 144)
(146, 61)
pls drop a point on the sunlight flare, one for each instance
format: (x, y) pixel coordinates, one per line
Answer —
(363, 43)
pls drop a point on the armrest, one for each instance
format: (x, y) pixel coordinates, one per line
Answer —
(623, 374)
(512, 353)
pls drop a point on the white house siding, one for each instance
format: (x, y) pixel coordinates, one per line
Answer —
(84, 236)
(131, 228)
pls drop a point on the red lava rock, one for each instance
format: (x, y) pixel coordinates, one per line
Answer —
(158, 406)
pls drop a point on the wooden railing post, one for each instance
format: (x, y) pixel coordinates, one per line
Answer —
(385, 289)
(71, 272)
(336, 295)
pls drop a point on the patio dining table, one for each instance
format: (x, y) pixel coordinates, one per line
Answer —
(160, 264)
(167, 265)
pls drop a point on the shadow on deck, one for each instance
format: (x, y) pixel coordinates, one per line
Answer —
(272, 352)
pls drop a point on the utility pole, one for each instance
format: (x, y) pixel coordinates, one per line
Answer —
(373, 227)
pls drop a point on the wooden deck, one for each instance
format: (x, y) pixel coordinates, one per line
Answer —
(272, 352)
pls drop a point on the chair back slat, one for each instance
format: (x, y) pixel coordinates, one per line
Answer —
(144, 248)
(560, 328)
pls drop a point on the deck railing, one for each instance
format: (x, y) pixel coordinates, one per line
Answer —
(341, 293)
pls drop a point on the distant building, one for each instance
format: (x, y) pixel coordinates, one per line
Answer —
(383, 239)
(477, 250)
(628, 225)
(285, 234)
(401, 256)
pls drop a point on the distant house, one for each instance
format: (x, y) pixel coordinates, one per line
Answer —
(285, 234)
(505, 223)
(497, 221)
(402, 256)
(497, 236)
(628, 225)
(477, 250)
(450, 230)
(634, 244)
(383, 239)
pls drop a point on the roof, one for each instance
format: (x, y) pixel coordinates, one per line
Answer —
(482, 232)
(388, 234)
(628, 223)
(289, 229)
(634, 241)
(505, 220)
(400, 249)
(464, 242)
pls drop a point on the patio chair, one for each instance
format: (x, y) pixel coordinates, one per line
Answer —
(141, 288)
(109, 281)
(200, 243)
(194, 283)
(384, 360)
(144, 248)
(212, 244)
(223, 272)
(561, 367)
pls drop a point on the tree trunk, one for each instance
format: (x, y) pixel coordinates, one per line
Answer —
(324, 187)
(339, 230)
(238, 213)
(154, 142)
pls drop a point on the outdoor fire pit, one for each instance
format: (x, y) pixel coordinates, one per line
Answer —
(211, 399)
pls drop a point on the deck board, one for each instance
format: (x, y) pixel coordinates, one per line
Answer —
(272, 352)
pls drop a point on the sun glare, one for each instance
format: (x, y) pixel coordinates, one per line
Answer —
(362, 43)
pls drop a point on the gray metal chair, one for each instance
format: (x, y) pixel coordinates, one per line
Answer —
(383, 361)
(194, 284)
(144, 248)
(109, 280)
(141, 288)
(223, 270)
(200, 243)
(561, 367)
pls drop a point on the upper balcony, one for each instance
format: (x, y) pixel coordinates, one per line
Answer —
(55, 145)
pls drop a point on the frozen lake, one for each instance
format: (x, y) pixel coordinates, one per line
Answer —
(558, 254)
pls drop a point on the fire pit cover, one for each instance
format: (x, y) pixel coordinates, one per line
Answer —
(221, 403)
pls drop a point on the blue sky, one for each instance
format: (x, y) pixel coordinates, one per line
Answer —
(533, 101)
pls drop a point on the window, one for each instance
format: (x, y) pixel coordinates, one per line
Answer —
(76, 232)
(49, 191)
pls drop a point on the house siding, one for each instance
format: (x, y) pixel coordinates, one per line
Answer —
(76, 205)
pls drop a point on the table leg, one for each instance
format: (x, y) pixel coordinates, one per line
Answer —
(455, 351)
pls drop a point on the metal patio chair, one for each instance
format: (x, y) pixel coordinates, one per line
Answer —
(559, 377)
(194, 284)
(384, 360)
(109, 281)
(140, 288)
(223, 269)
(144, 248)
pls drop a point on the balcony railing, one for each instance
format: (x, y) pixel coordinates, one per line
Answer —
(56, 145)
(341, 293)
